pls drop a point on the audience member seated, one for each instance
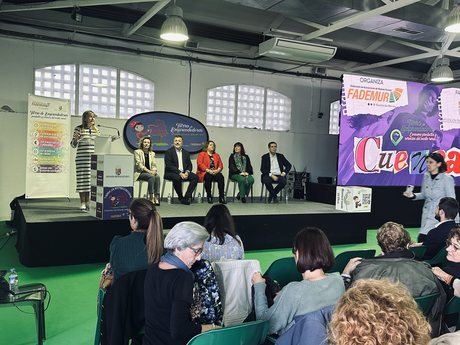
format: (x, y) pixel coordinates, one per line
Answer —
(313, 257)
(436, 238)
(209, 170)
(169, 288)
(398, 263)
(240, 171)
(447, 339)
(143, 245)
(223, 243)
(451, 271)
(378, 312)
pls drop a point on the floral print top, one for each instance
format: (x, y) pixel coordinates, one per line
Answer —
(231, 249)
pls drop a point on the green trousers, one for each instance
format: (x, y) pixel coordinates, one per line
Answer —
(244, 183)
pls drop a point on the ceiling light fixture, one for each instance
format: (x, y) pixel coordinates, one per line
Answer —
(174, 28)
(441, 72)
(453, 21)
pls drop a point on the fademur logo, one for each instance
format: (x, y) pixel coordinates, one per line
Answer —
(375, 95)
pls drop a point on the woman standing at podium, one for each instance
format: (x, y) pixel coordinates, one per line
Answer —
(83, 139)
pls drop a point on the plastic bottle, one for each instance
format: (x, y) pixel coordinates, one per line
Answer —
(169, 199)
(200, 200)
(13, 281)
(287, 198)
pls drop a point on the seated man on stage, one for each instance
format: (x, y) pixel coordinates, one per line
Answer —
(178, 168)
(274, 168)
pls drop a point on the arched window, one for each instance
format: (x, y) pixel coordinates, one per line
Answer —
(108, 91)
(248, 106)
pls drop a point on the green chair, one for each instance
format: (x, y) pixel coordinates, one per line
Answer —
(248, 333)
(284, 271)
(453, 307)
(100, 306)
(439, 259)
(426, 302)
(418, 251)
(342, 259)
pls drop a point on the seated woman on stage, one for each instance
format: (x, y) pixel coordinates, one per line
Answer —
(210, 170)
(169, 288)
(143, 245)
(313, 256)
(223, 243)
(240, 170)
(145, 168)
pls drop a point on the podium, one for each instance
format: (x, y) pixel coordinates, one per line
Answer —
(353, 199)
(111, 182)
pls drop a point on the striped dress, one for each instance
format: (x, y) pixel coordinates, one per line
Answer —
(85, 148)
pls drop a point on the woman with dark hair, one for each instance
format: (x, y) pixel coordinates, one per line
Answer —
(313, 257)
(223, 243)
(240, 171)
(83, 139)
(209, 170)
(145, 168)
(435, 186)
(143, 246)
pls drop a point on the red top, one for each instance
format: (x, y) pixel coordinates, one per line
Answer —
(203, 162)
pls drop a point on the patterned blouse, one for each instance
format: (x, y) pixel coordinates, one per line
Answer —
(231, 249)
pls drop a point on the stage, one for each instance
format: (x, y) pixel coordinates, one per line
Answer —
(56, 232)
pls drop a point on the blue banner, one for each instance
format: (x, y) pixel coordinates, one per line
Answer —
(161, 127)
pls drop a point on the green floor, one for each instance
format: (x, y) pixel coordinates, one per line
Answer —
(70, 318)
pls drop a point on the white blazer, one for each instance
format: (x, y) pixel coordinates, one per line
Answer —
(139, 162)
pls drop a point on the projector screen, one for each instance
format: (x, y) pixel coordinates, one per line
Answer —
(388, 127)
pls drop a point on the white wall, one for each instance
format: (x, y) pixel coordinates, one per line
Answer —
(307, 144)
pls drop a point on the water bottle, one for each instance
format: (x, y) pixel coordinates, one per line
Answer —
(200, 200)
(13, 281)
(169, 199)
(287, 198)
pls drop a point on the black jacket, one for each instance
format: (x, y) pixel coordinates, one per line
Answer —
(172, 163)
(284, 164)
(123, 315)
(232, 169)
(436, 238)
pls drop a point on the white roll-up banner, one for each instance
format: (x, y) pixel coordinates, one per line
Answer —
(48, 138)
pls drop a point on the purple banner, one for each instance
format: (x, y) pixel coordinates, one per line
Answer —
(388, 127)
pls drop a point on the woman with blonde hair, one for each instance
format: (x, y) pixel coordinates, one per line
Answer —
(83, 139)
(145, 168)
(378, 312)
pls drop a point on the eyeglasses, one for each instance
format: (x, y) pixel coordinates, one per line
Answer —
(449, 243)
(197, 251)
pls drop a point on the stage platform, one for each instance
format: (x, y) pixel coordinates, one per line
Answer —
(56, 232)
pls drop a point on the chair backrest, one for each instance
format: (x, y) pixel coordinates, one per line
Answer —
(439, 259)
(234, 279)
(342, 259)
(453, 307)
(248, 333)
(426, 302)
(284, 271)
(418, 251)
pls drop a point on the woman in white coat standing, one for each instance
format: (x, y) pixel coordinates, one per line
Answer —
(436, 185)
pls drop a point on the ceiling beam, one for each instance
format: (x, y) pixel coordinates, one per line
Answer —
(411, 45)
(396, 61)
(52, 5)
(359, 17)
(146, 17)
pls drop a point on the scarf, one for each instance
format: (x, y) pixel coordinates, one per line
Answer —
(171, 259)
(240, 162)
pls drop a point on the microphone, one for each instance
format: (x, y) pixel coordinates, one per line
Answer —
(118, 132)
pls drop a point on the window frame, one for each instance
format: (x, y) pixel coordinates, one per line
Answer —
(235, 115)
(76, 95)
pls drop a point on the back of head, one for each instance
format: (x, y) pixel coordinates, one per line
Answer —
(449, 206)
(314, 250)
(378, 312)
(219, 222)
(149, 220)
(393, 237)
(185, 234)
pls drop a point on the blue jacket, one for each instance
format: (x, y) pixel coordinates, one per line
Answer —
(432, 191)
(309, 329)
